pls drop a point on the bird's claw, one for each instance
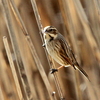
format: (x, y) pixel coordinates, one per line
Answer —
(53, 71)
(43, 45)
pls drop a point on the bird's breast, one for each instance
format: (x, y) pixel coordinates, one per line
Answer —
(53, 49)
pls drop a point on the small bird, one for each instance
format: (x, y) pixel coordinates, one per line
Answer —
(58, 48)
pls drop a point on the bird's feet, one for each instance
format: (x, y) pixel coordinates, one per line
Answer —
(53, 70)
(43, 45)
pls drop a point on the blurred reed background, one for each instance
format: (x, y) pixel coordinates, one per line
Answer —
(24, 69)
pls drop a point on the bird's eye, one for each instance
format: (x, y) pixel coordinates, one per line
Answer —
(50, 30)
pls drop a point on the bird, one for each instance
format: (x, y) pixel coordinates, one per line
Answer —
(59, 49)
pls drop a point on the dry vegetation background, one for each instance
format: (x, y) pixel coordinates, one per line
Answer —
(24, 68)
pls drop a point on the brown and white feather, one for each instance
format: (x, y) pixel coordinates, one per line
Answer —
(59, 49)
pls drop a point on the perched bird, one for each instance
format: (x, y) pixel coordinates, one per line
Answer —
(58, 48)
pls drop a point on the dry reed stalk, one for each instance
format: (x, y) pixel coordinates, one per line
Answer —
(1, 94)
(97, 3)
(32, 87)
(40, 90)
(37, 16)
(94, 19)
(89, 36)
(40, 67)
(38, 19)
(57, 83)
(32, 48)
(87, 30)
(85, 12)
(12, 68)
(5, 81)
(48, 8)
(20, 67)
(92, 95)
(68, 11)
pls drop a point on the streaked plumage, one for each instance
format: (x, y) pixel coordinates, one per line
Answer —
(59, 50)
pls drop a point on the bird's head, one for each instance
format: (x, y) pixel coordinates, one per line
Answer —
(50, 33)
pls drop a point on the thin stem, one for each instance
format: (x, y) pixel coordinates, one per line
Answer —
(57, 83)
(5, 41)
(38, 19)
(88, 32)
(37, 16)
(1, 94)
(33, 51)
(20, 67)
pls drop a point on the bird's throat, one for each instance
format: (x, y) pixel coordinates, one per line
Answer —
(51, 38)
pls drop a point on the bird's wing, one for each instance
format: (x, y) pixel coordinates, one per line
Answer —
(68, 54)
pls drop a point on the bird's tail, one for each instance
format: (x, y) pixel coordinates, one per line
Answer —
(82, 71)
